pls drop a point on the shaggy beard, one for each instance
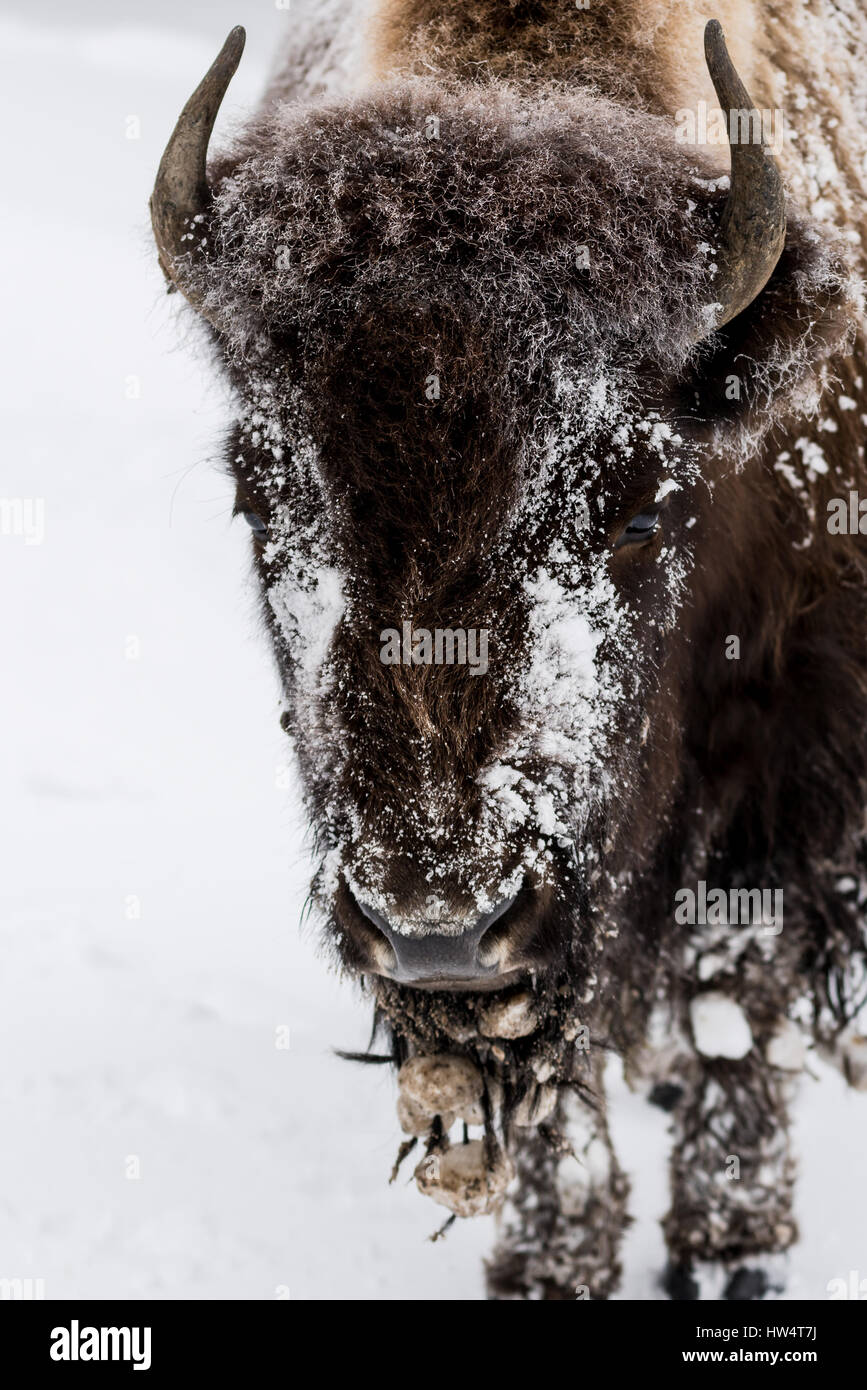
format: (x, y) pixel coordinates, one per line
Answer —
(556, 1054)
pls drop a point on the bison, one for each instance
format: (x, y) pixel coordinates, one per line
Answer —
(544, 327)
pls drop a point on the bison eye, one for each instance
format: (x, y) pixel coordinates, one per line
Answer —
(641, 528)
(256, 525)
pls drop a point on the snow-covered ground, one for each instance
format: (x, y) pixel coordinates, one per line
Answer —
(157, 1141)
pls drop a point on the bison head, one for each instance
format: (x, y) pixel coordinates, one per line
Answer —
(480, 345)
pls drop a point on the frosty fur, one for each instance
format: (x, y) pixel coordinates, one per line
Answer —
(547, 255)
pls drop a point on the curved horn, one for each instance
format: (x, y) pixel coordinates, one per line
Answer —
(753, 223)
(181, 191)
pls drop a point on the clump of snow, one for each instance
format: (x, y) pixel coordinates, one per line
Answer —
(512, 1016)
(815, 462)
(465, 1180)
(441, 1084)
(786, 1048)
(666, 487)
(719, 1026)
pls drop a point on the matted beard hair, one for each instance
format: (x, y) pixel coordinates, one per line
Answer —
(566, 1013)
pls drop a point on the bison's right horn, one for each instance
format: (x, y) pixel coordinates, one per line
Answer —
(181, 193)
(753, 223)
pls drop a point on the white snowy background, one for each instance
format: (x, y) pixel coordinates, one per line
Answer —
(163, 780)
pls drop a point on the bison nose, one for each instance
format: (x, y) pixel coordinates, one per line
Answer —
(435, 959)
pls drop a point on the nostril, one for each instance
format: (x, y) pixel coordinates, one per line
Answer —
(502, 927)
(368, 947)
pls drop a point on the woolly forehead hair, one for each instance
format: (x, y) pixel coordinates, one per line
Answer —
(557, 223)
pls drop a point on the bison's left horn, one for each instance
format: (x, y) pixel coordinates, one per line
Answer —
(753, 223)
(181, 193)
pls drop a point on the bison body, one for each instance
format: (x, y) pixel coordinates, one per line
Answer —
(510, 358)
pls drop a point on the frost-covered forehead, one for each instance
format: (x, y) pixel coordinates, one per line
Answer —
(435, 291)
(555, 219)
